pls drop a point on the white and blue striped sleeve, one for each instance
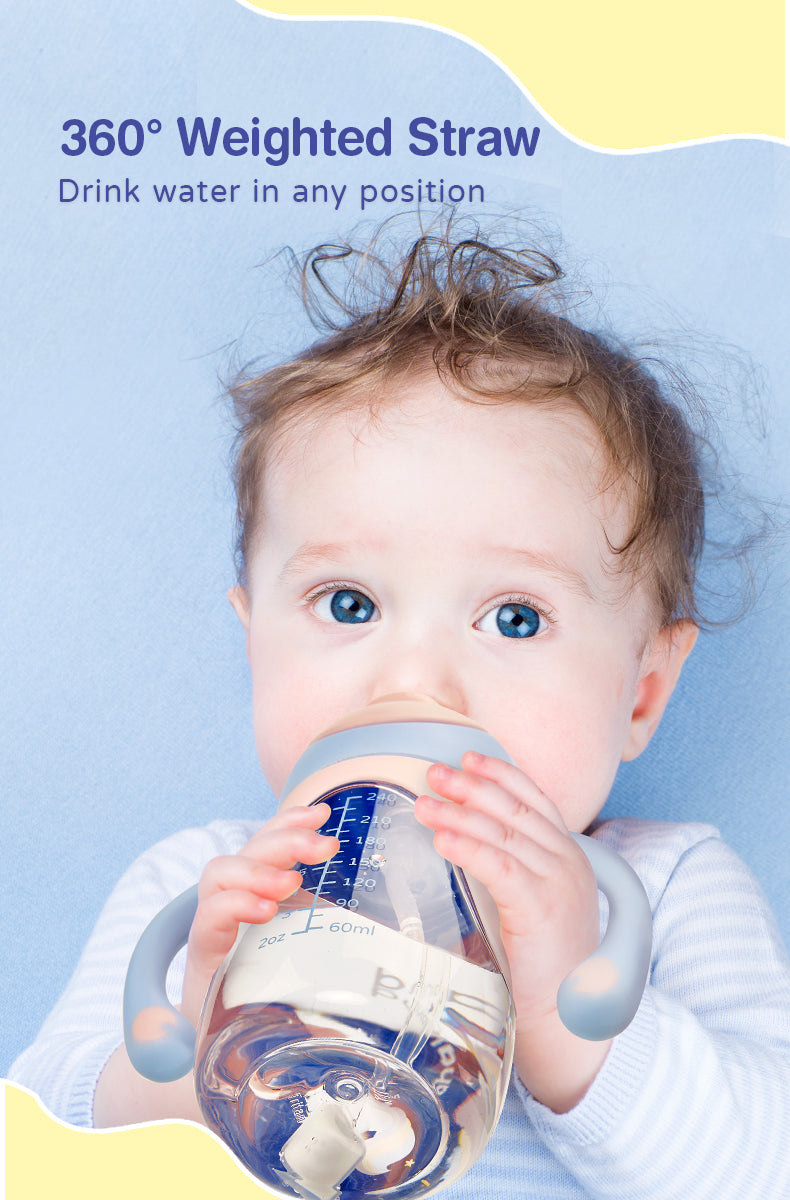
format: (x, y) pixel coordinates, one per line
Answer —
(694, 1097)
(64, 1063)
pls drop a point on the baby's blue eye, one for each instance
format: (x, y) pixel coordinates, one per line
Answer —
(517, 620)
(347, 606)
(512, 620)
(351, 607)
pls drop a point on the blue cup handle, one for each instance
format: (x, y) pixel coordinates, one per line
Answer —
(160, 1041)
(599, 998)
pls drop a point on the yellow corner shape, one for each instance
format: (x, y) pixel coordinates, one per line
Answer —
(615, 73)
(46, 1160)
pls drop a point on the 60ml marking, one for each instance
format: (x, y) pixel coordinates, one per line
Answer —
(335, 927)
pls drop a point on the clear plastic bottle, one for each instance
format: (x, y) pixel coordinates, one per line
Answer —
(361, 1042)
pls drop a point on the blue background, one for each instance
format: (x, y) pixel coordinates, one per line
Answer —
(125, 697)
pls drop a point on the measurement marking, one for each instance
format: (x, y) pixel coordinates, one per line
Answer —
(320, 883)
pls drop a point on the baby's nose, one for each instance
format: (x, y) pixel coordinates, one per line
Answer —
(420, 675)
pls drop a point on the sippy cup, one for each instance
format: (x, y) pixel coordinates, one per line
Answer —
(360, 1043)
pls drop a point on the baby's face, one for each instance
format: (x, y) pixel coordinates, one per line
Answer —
(459, 551)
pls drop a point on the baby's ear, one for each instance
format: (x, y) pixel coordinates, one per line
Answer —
(661, 666)
(240, 599)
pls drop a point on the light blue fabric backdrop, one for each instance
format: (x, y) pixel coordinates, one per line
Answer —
(125, 699)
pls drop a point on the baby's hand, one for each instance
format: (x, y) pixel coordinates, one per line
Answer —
(247, 887)
(508, 835)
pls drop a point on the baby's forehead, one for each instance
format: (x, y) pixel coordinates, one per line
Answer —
(423, 407)
(422, 436)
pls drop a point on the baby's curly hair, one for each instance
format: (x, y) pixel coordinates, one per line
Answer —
(489, 320)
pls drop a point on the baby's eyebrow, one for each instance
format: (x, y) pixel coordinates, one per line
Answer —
(549, 564)
(312, 554)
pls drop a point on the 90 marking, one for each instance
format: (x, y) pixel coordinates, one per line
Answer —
(100, 139)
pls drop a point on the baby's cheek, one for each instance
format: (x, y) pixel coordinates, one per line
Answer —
(273, 736)
(286, 721)
(571, 766)
(594, 756)
(568, 750)
(278, 747)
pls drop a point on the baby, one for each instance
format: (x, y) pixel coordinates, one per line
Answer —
(461, 494)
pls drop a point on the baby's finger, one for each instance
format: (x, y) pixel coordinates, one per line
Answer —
(301, 816)
(237, 873)
(285, 845)
(217, 921)
(220, 915)
(510, 883)
(524, 899)
(533, 815)
(515, 782)
(536, 849)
